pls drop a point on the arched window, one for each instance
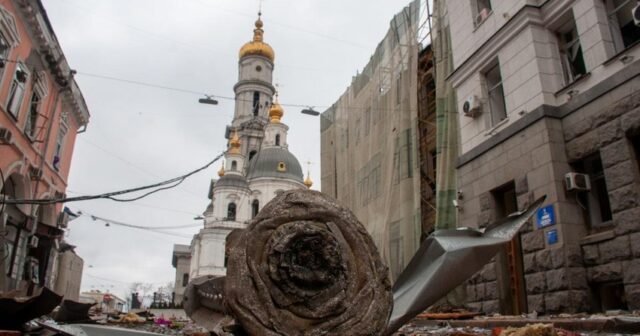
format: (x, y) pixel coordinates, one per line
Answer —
(252, 154)
(255, 208)
(277, 139)
(231, 211)
(256, 103)
(234, 165)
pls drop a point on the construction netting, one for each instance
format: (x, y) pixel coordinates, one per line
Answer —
(446, 123)
(369, 149)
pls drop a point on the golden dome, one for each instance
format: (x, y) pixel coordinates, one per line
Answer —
(276, 111)
(221, 171)
(257, 46)
(308, 181)
(234, 144)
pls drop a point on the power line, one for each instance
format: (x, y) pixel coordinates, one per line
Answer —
(171, 183)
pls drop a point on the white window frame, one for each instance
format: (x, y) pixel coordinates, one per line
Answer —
(614, 24)
(493, 89)
(60, 142)
(17, 91)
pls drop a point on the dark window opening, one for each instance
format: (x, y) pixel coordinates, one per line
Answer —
(277, 139)
(595, 203)
(482, 10)
(573, 65)
(623, 29)
(256, 103)
(505, 200)
(185, 279)
(496, 94)
(231, 211)
(234, 165)
(255, 208)
(252, 154)
(636, 145)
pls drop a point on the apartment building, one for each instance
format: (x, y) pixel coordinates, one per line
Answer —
(548, 94)
(41, 111)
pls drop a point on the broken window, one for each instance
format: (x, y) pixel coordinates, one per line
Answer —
(495, 93)
(595, 202)
(32, 118)
(573, 65)
(624, 31)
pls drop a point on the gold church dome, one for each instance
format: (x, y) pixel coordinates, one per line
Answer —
(308, 181)
(276, 111)
(257, 45)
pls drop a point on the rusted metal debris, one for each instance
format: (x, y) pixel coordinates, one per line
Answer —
(16, 310)
(307, 266)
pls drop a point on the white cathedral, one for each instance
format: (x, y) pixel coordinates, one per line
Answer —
(257, 167)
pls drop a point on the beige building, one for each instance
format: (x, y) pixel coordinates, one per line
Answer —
(181, 261)
(549, 95)
(108, 302)
(69, 271)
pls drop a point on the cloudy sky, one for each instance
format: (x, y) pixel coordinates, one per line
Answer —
(140, 134)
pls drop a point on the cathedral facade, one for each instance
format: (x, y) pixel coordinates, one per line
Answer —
(257, 166)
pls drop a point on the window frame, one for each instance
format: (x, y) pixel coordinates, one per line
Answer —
(13, 104)
(497, 87)
(615, 27)
(591, 201)
(31, 121)
(573, 67)
(60, 142)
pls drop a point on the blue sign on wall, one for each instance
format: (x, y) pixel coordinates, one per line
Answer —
(552, 236)
(545, 217)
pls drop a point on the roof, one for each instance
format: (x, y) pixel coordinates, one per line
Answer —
(180, 250)
(266, 164)
(232, 180)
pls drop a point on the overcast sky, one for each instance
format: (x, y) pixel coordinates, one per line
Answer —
(139, 135)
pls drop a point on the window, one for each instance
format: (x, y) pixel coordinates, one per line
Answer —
(17, 91)
(57, 155)
(505, 200)
(185, 279)
(32, 118)
(573, 65)
(495, 92)
(252, 154)
(231, 211)
(277, 139)
(255, 208)
(595, 203)
(4, 52)
(256, 103)
(482, 9)
(234, 165)
(623, 29)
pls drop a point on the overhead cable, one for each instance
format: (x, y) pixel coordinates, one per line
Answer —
(171, 183)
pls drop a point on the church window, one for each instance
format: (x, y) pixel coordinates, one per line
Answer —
(234, 165)
(277, 139)
(256, 103)
(258, 68)
(255, 208)
(252, 154)
(282, 167)
(231, 211)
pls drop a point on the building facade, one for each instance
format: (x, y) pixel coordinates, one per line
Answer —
(41, 111)
(258, 165)
(181, 261)
(549, 96)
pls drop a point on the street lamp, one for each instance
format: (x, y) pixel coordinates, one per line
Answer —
(310, 111)
(208, 100)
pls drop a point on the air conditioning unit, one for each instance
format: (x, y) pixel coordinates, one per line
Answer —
(577, 182)
(635, 12)
(63, 220)
(35, 173)
(33, 241)
(5, 135)
(471, 106)
(482, 15)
